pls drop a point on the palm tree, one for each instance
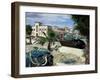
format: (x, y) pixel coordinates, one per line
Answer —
(50, 37)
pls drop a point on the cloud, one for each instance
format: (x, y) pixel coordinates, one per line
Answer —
(60, 20)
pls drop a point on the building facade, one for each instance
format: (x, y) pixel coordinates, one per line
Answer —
(61, 32)
(38, 29)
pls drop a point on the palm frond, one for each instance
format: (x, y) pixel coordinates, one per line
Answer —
(45, 35)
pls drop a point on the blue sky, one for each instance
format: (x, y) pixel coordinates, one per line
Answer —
(59, 20)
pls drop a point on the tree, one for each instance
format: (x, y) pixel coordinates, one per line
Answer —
(29, 31)
(50, 37)
(82, 24)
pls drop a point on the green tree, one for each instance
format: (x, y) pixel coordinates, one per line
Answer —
(82, 24)
(50, 38)
(29, 31)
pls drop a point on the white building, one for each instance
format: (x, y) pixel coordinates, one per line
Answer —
(38, 29)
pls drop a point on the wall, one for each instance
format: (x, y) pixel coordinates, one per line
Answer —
(5, 40)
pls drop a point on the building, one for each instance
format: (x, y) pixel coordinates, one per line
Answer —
(61, 32)
(38, 29)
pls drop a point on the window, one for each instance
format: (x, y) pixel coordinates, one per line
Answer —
(36, 34)
(36, 28)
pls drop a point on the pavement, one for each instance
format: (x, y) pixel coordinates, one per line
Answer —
(69, 55)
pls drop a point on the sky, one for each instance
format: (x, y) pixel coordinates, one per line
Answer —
(51, 19)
